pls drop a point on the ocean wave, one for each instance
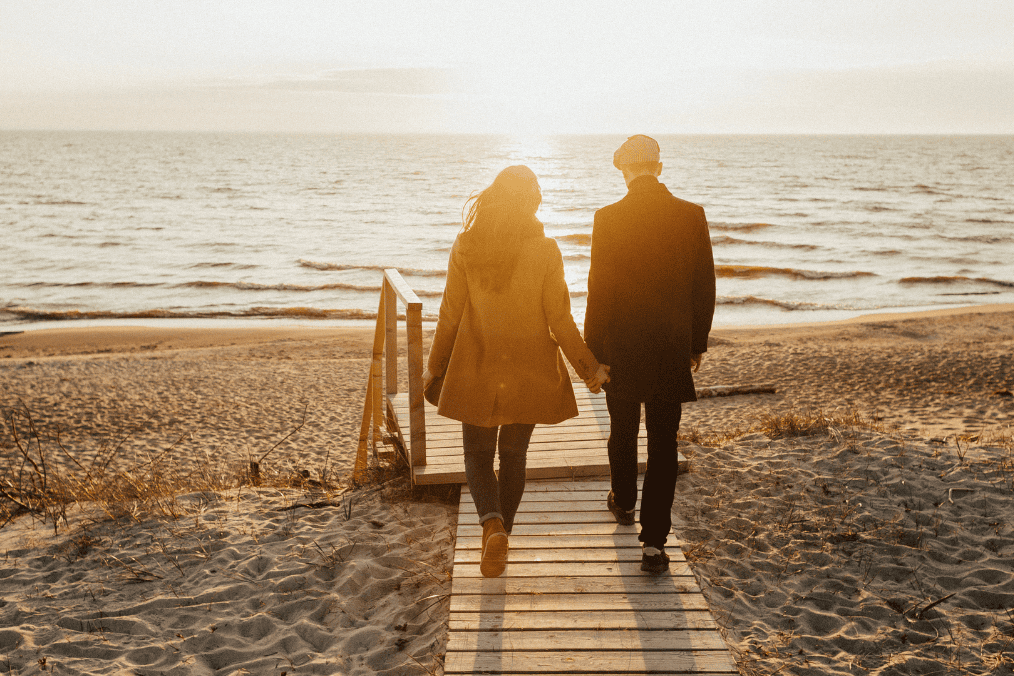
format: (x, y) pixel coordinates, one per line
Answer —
(755, 300)
(410, 272)
(59, 203)
(755, 271)
(726, 240)
(956, 279)
(926, 190)
(978, 239)
(253, 286)
(35, 315)
(738, 227)
(99, 285)
(579, 238)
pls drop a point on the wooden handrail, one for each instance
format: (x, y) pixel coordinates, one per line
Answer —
(385, 339)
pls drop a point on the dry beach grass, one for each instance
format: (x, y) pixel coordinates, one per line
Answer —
(856, 521)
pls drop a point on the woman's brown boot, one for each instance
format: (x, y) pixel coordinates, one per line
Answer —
(494, 548)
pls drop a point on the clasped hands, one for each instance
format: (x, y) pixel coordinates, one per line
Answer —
(600, 378)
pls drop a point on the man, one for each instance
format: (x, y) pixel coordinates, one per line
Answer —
(651, 299)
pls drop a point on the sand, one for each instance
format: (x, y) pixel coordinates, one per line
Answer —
(819, 554)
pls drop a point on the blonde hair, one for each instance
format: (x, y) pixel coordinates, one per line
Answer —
(496, 222)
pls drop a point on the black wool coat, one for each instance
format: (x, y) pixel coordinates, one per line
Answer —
(651, 292)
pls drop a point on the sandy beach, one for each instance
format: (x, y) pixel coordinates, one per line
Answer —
(878, 548)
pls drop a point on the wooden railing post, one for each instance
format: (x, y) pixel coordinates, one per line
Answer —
(391, 326)
(416, 401)
(393, 282)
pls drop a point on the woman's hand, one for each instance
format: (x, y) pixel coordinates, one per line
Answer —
(427, 378)
(600, 378)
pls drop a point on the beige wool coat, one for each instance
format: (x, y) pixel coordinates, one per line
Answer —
(499, 352)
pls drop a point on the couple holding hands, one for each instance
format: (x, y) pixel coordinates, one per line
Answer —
(505, 316)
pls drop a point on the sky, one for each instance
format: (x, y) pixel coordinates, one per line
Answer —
(521, 67)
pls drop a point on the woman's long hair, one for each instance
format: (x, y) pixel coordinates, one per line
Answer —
(496, 221)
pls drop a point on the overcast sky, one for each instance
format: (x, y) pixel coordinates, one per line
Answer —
(741, 66)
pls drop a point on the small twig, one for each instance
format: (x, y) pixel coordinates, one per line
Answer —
(919, 614)
(298, 427)
(438, 597)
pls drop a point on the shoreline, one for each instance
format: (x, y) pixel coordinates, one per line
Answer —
(819, 317)
(72, 337)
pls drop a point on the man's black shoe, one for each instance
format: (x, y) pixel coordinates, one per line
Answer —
(654, 560)
(623, 517)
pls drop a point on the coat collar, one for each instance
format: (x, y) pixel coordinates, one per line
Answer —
(643, 184)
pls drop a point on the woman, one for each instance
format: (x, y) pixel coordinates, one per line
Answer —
(505, 315)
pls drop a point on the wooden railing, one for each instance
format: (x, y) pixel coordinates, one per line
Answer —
(378, 412)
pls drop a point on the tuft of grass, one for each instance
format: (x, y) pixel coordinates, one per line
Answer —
(810, 422)
(40, 477)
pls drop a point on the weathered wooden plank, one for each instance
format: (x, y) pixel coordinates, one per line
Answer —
(585, 603)
(584, 639)
(519, 541)
(517, 568)
(616, 619)
(531, 517)
(455, 474)
(578, 429)
(610, 554)
(585, 486)
(592, 506)
(671, 584)
(466, 529)
(533, 496)
(593, 503)
(591, 661)
(572, 451)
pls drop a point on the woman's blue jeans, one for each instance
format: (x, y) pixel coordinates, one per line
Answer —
(496, 494)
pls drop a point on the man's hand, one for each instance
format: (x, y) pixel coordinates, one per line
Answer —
(695, 362)
(600, 378)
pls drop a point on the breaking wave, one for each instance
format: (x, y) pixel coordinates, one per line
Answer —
(756, 300)
(412, 272)
(958, 279)
(579, 238)
(31, 314)
(755, 271)
(251, 286)
(726, 240)
(738, 227)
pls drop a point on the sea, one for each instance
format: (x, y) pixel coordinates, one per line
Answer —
(216, 229)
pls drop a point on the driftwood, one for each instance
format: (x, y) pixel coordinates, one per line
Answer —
(729, 390)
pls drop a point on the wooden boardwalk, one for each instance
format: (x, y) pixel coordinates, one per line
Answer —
(575, 448)
(573, 598)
